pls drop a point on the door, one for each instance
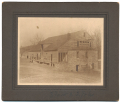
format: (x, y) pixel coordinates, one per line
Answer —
(77, 67)
(51, 59)
(92, 65)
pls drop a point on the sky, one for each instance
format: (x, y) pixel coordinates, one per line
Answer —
(29, 27)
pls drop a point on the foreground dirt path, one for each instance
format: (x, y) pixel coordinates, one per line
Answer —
(40, 73)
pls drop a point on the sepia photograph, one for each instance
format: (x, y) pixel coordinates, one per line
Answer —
(60, 51)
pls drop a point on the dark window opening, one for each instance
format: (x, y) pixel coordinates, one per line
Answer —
(42, 46)
(86, 54)
(58, 57)
(77, 54)
(62, 57)
(92, 65)
(77, 66)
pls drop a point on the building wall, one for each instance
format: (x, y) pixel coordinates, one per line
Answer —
(24, 55)
(72, 45)
(34, 55)
(73, 60)
(47, 58)
(84, 62)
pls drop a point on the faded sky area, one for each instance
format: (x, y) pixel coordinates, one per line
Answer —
(28, 27)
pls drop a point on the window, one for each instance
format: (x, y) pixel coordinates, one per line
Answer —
(42, 46)
(79, 43)
(62, 57)
(58, 57)
(86, 54)
(77, 54)
(66, 57)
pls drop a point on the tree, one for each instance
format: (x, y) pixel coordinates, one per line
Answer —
(36, 39)
(97, 41)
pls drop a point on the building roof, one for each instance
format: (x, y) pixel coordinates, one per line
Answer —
(31, 48)
(25, 49)
(57, 41)
(35, 48)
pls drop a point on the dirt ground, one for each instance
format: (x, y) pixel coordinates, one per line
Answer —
(42, 73)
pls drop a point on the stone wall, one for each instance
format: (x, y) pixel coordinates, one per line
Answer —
(46, 57)
(84, 62)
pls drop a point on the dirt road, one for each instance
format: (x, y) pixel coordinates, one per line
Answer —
(41, 73)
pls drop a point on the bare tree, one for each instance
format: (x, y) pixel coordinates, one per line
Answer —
(36, 39)
(97, 41)
(97, 36)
